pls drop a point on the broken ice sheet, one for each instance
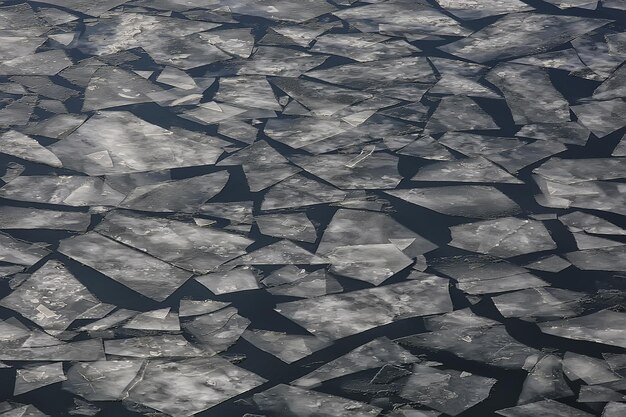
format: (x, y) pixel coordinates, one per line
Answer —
(601, 117)
(545, 381)
(455, 319)
(32, 218)
(543, 408)
(20, 410)
(363, 47)
(341, 315)
(42, 63)
(119, 142)
(217, 331)
(606, 327)
(238, 279)
(140, 272)
(162, 320)
(61, 190)
(476, 169)
(247, 92)
(565, 59)
(31, 378)
(190, 308)
(472, 9)
(24, 147)
(20, 252)
(570, 171)
(236, 211)
(313, 285)
(459, 113)
(451, 84)
(589, 369)
(448, 391)
(294, 226)
(283, 252)
(490, 345)
(162, 346)
(86, 350)
(102, 380)
(298, 191)
(51, 297)
(290, 401)
(602, 259)
(185, 245)
(303, 131)
(504, 237)
(207, 382)
(540, 303)
(286, 347)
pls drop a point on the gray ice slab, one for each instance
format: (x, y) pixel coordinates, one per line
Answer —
(217, 331)
(451, 84)
(606, 327)
(247, 92)
(21, 252)
(42, 63)
(24, 147)
(32, 218)
(298, 191)
(185, 195)
(268, 60)
(236, 280)
(613, 87)
(313, 285)
(517, 159)
(475, 201)
(185, 245)
(449, 391)
(283, 252)
(363, 47)
(497, 285)
(105, 380)
(544, 408)
(162, 346)
(459, 113)
(286, 347)
(488, 345)
(473, 145)
(238, 42)
(427, 148)
(545, 381)
(189, 308)
(476, 169)
(57, 127)
(65, 190)
(614, 409)
(282, 10)
(457, 319)
(236, 212)
(140, 272)
(86, 350)
(297, 402)
(472, 9)
(591, 370)
(603, 259)
(601, 117)
(341, 315)
(32, 378)
(109, 321)
(551, 263)
(101, 146)
(540, 304)
(520, 34)
(467, 268)
(594, 51)
(19, 410)
(303, 131)
(51, 297)
(565, 59)
(504, 237)
(294, 226)
(162, 320)
(570, 171)
(598, 394)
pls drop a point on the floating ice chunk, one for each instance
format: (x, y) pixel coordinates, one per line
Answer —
(57, 127)
(286, 347)
(140, 272)
(543, 408)
(62, 190)
(517, 159)
(489, 345)
(476, 267)
(102, 380)
(157, 320)
(286, 275)
(620, 149)
(594, 52)
(315, 284)
(12, 171)
(341, 315)
(185, 195)
(535, 101)
(107, 322)
(540, 303)
(459, 113)
(17, 144)
(151, 148)
(162, 346)
(475, 201)
(20, 252)
(614, 409)
(280, 9)
(472, 9)
(303, 131)
(217, 331)
(32, 378)
(566, 59)
(211, 112)
(591, 370)
(496, 285)
(257, 153)
(42, 63)
(375, 74)
(235, 212)
(448, 391)
(19, 112)
(176, 78)
(520, 34)
(474, 145)
(376, 171)
(298, 191)
(20, 410)
(51, 297)
(369, 263)
(545, 381)
(198, 249)
(451, 84)
(296, 402)
(427, 148)
(476, 169)
(236, 280)
(601, 117)
(550, 263)
(613, 87)
(30, 218)
(294, 226)
(238, 42)
(283, 252)
(207, 382)
(582, 4)
(457, 319)
(190, 308)
(45, 87)
(86, 350)
(303, 34)
(247, 92)
(363, 47)
(606, 326)
(598, 394)
(585, 241)
(504, 237)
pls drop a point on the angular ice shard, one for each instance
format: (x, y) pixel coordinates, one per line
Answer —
(62, 190)
(603, 259)
(545, 381)
(606, 327)
(187, 246)
(288, 401)
(42, 63)
(313, 285)
(236, 280)
(489, 345)
(217, 331)
(86, 350)
(280, 9)
(20, 252)
(207, 382)
(353, 171)
(161, 320)
(459, 113)
(51, 297)
(363, 47)
(336, 316)
(102, 380)
(238, 42)
(601, 117)
(24, 147)
(298, 191)
(20, 410)
(31, 378)
(32, 218)
(613, 87)
(504, 237)
(457, 319)
(520, 34)
(140, 272)
(472, 9)
(570, 171)
(109, 321)
(540, 303)
(119, 142)
(286, 347)
(163, 346)
(190, 308)
(236, 212)
(425, 147)
(247, 92)
(529, 94)
(283, 252)
(294, 226)
(614, 409)
(591, 370)
(551, 263)
(565, 59)
(448, 391)
(517, 159)
(451, 84)
(303, 131)
(543, 408)
(476, 169)
(185, 195)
